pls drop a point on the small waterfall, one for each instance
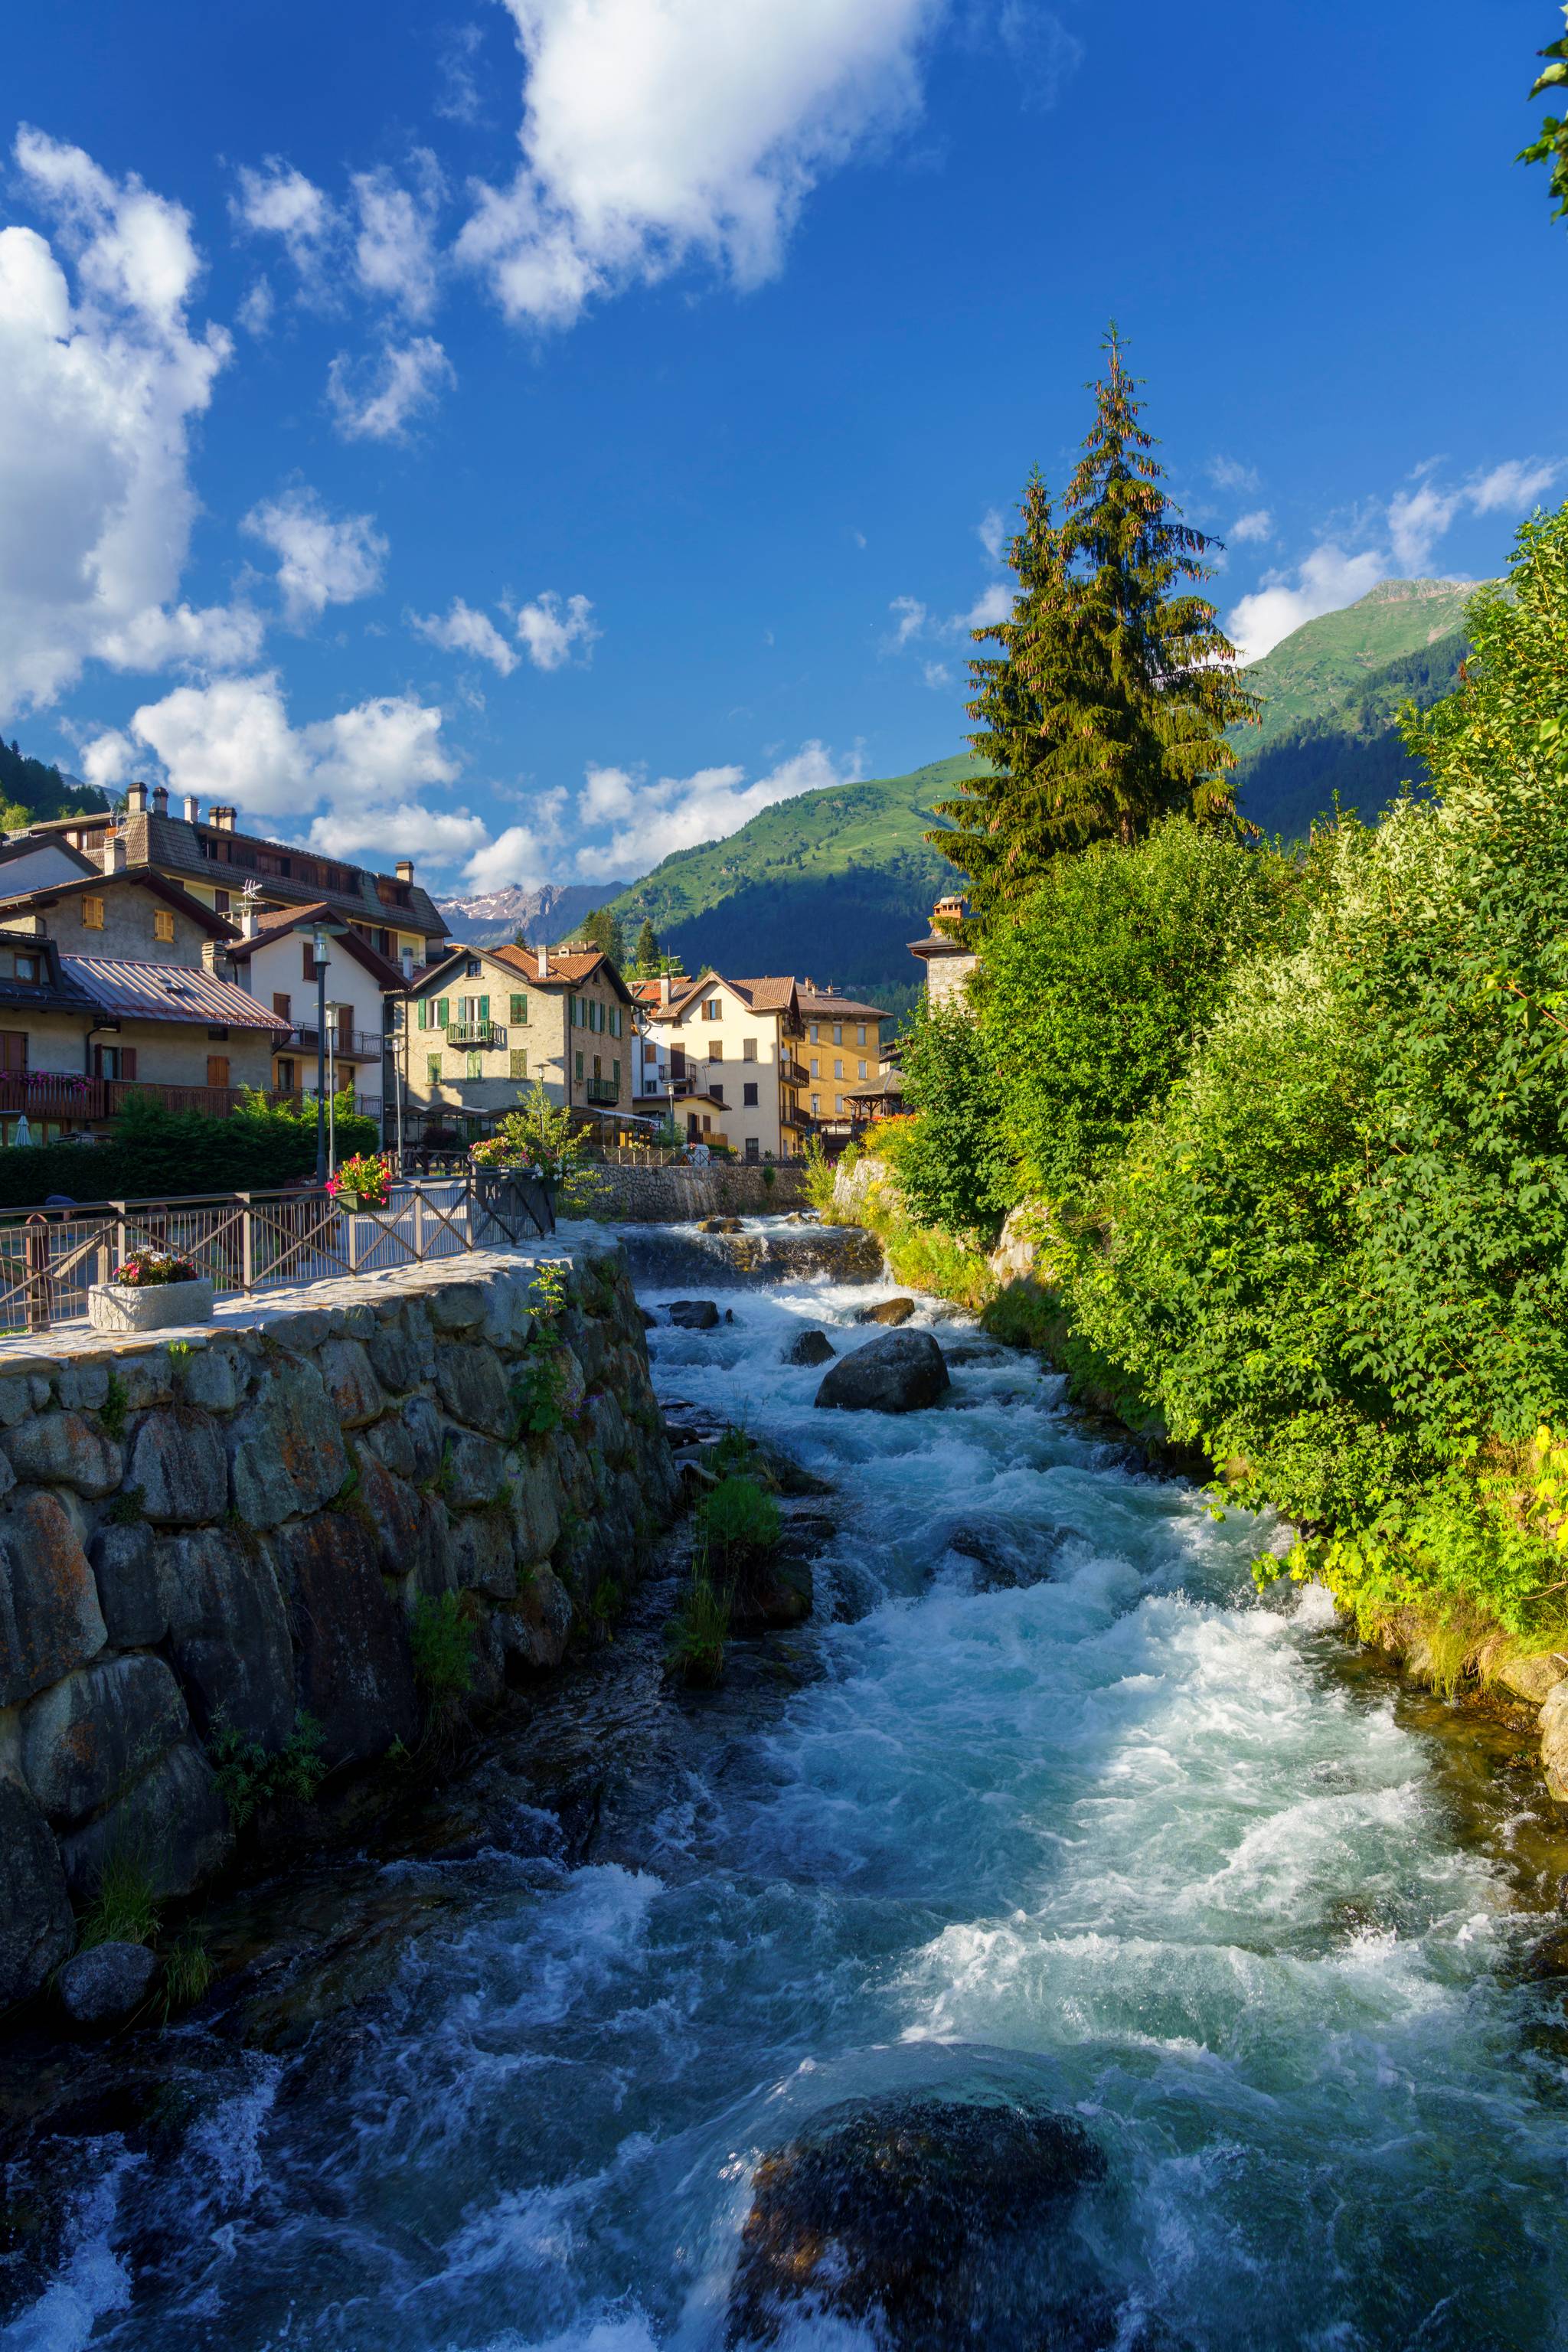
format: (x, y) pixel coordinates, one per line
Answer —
(662, 1256)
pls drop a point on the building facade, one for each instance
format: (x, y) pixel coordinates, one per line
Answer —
(274, 960)
(843, 1049)
(478, 1029)
(720, 1057)
(948, 961)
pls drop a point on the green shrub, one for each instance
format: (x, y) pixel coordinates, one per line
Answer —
(188, 1971)
(952, 1161)
(739, 1520)
(248, 1776)
(540, 1390)
(125, 1909)
(697, 1631)
(441, 1638)
(158, 1154)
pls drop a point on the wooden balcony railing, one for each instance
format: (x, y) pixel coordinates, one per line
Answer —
(50, 1094)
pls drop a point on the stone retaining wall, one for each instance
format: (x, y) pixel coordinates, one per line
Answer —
(236, 1530)
(673, 1195)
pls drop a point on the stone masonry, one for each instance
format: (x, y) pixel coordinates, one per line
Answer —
(672, 1195)
(238, 1527)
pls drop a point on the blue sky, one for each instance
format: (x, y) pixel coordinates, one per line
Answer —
(532, 436)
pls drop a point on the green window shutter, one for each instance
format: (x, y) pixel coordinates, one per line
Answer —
(615, 1070)
(484, 1008)
(519, 1009)
(424, 1014)
(441, 1011)
(518, 1064)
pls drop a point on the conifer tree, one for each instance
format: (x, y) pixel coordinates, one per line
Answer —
(647, 951)
(602, 929)
(1107, 708)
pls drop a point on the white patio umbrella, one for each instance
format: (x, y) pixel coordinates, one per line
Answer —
(24, 1133)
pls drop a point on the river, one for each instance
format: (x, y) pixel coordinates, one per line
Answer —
(1064, 1813)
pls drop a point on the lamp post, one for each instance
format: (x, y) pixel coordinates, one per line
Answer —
(319, 955)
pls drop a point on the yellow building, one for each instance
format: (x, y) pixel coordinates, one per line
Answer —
(843, 1049)
(483, 1025)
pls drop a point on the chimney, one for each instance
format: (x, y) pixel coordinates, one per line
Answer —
(136, 799)
(159, 799)
(664, 992)
(114, 852)
(406, 870)
(542, 967)
(249, 921)
(407, 962)
(222, 818)
(192, 809)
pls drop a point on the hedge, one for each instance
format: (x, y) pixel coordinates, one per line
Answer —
(160, 1155)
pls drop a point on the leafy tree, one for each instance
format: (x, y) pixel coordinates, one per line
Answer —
(1552, 146)
(602, 930)
(1109, 707)
(647, 951)
(953, 1165)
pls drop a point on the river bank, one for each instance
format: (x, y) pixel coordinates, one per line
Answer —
(1044, 1804)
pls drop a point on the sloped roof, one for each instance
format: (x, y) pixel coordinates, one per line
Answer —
(817, 1005)
(217, 927)
(775, 995)
(560, 970)
(165, 992)
(277, 924)
(172, 844)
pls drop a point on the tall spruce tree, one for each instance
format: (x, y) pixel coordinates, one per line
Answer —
(647, 951)
(602, 930)
(1107, 708)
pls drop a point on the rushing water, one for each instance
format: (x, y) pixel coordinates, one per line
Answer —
(1061, 1812)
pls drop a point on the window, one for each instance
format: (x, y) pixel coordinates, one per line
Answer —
(220, 902)
(283, 1006)
(862, 1069)
(839, 1105)
(518, 1064)
(13, 1049)
(472, 969)
(287, 1083)
(716, 1051)
(748, 1095)
(615, 1020)
(599, 1068)
(114, 1062)
(307, 961)
(519, 1009)
(753, 1148)
(14, 965)
(433, 1068)
(838, 1033)
(577, 1064)
(576, 1012)
(815, 1066)
(615, 1075)
(838, 1069)
(815, 1039)
(748, 1049)
(217, 1069)
(476, 1065)
(164, 924)
(92, 914)
(860, 1038)
(443, 1008)
(815, 1104)
(713, 1010)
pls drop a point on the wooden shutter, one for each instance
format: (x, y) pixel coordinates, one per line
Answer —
(519, 1009)
(484, 1008)
(217, 1069)
(128, 1061)
(424, 1014)
(309, 964)
(443, 1005)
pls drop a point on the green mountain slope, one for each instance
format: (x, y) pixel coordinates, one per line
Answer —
(1354, 754)
(30, 791)
(1325, 665)
(833, 885)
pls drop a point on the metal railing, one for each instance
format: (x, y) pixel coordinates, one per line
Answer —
(474, 1033)
(603, 1090)
(249, 1242)
(350, 1045)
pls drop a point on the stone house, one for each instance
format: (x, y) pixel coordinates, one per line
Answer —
(948, 961)
(483, 1025)
(720, 1056)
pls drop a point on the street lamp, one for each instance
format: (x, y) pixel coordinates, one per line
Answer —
(321, 958)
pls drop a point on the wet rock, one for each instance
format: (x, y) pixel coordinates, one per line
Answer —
(355, 1675)
(694, 1313)
(720, 1225)
(536, 1633)
(178, 1463)
(173, 1822)
(902, 1371)
(891, 1311)
(1533, 1679)
(649, 1322)
(1001, 1561)
(974, 1351)
(49, 1616)
(104, 1985)
(229, 1632)
(286, 1450)
(99, 1728)
(64, 1449)
(902, 2216)
(36, 1930)
(775, 1592)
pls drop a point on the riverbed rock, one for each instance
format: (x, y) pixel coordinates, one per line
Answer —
(772, 1592)
(1535, 1677)
(49, 1616)
(98, 1729)
(901, 1372)
(534, 1633)
(172, 1824)
(901, 2215)
(1555, 1741)
(36, 1930)
(694, 1313)
(104, 1985)
(720, 1225)
(355, 1674)
(891, 1311)
(808, 1348)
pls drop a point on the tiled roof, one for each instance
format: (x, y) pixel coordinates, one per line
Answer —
(816, 1004)
(560, 970)
(217, 927)
(173, 846)
(939, 943)
(890, 1085)
(766, 996)
(165, 992)
(300, 919)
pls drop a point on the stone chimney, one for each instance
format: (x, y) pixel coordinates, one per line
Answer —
(947, 915)
(159, 799)
(136, 799)
(114, 852)
(404, 869)
(192, 809)
(664, 992)
(542, 967)
(222, 818)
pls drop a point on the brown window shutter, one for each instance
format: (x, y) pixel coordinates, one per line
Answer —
(217, 1069)
(282, 1005)
(128, 1061)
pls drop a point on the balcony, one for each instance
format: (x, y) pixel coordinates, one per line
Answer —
(343, 1045)
(794, 1073)
(603, 1090)
(471, 1032)
(51, 1094)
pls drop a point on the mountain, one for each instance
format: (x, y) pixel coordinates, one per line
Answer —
(833, 884)
(31, 792)
(552, 912)
(1324, 665)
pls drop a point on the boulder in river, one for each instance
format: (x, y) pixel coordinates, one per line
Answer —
(1555, 1741)
(1533, 1679)
(808, 1348)
(774, 1591)
(897, 1372)
(892, 2214)
(104, 1984)
(694, 1313)
(891, 1311)
(720, 1225)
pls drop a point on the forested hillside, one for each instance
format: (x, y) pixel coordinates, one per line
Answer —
(29, 791)
(1288, 775)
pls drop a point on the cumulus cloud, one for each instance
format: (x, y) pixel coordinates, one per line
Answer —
(395, 246)
(525, 854)
(550, 629)
(993, 604)
(465, 631)
(1042, 50)
(913, 619)
(377, 400)
(278, 201)
(652, 135)
(256, 309)
(1229, 474)
(102, 375)
(1328, 579)
(993, 533)
(321, 560)
(1255, 525)
(1512, 486)
(640, 821)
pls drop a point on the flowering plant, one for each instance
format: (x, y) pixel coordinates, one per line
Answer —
(538, 1139)
(366, 1178)
(150, 1266)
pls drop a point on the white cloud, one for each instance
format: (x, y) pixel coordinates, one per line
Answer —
(321, 561)
(1417, 520)
(1328, 579)
(278, 201)
(650, 135)
(1041, 48)
(458, 99)
(912, 618)
(377, 401)
(1229, 474)
(549, 630)
(256, 309)
(408, 830)
(992, 532)
(993, 604)
(1255, 525)
(1514, 485)
(645, 822)
(100, 383)
(395, 250)
(464, 631)
(524, 854)
(937, 676)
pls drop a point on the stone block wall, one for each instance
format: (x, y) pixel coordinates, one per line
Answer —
(238, 1529)
(665, 1196)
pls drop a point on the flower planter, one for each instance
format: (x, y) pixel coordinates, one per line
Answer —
(151, 1307)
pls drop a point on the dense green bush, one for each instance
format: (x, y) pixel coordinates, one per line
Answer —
(158, 1154)
(952, 1162)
